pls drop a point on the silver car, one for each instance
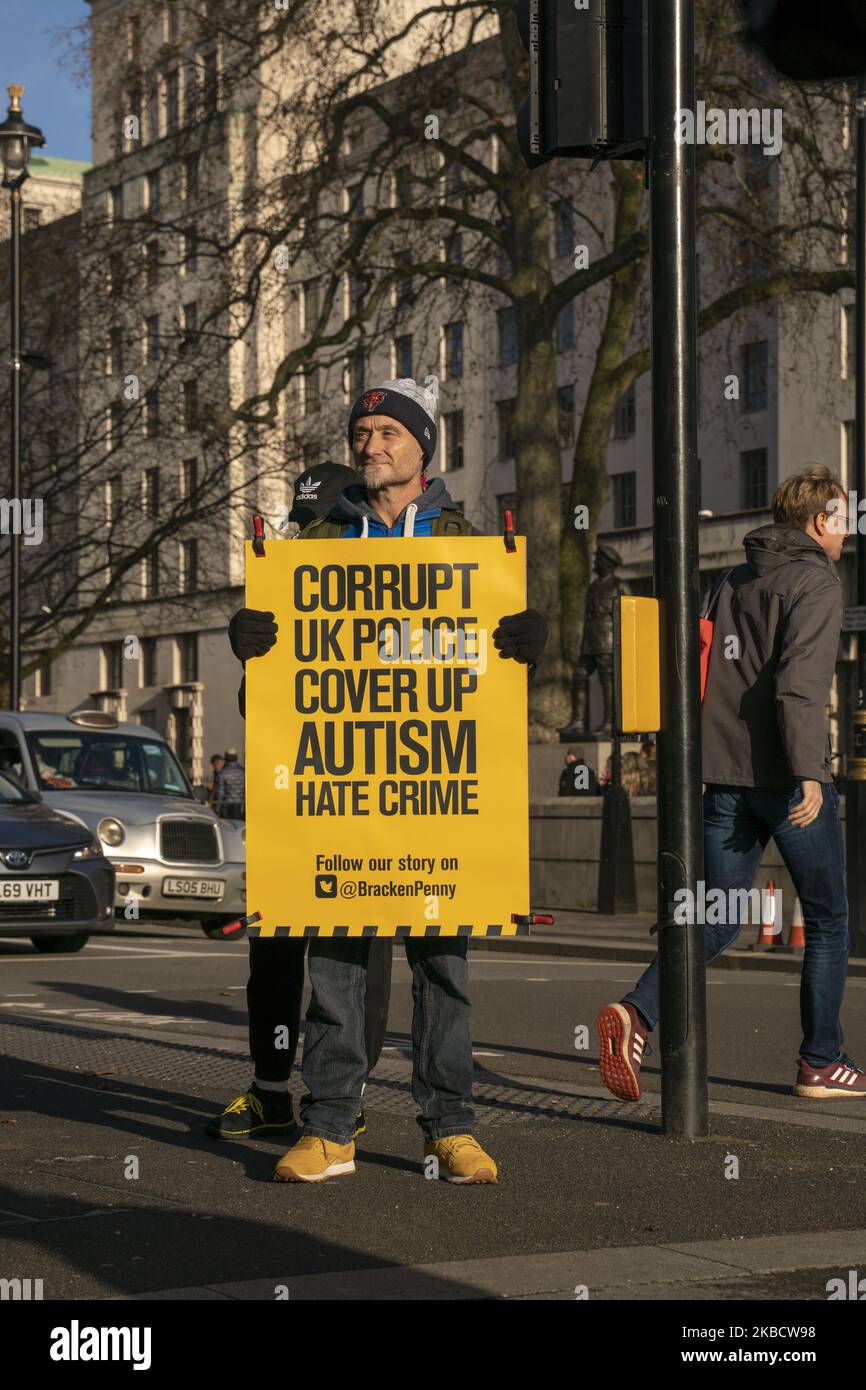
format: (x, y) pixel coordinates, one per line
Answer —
(173, 856)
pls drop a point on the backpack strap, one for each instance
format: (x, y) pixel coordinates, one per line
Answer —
(452, 523)
(322, 529)
(714, 596)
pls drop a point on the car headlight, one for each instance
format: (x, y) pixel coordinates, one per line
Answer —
(110, 831)
(91, 851)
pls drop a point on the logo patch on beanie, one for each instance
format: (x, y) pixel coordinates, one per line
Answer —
(373, 398)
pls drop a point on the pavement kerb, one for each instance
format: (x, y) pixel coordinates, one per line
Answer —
(619, 1269)
(627, 951)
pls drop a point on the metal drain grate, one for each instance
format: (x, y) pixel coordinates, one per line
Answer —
(212, 1071)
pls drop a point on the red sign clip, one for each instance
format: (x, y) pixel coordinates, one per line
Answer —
(258, 534)
(510, 545)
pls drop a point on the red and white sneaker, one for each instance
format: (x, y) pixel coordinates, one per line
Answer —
(840, 1078)
(622, 1042)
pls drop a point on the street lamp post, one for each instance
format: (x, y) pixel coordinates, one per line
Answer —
(16, 141)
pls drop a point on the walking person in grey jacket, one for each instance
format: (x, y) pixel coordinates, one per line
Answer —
(767, 773)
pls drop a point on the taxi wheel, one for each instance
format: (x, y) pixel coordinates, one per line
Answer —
(54, 945)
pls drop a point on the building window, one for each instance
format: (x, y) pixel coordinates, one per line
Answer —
(454, 349)
(114, 357)
(506, 323)
(754, 358)
(150, 493)
(454, 256)
(565, 328)
(115, 202)
(849, 345)
(564, 223)
(190, 93)
(565, 413)
(151, 338)
(172, 23)
(453, 423)
(148, 661)
(188, 652)
(848, 470)
(115, 425)
(753, 479)
(190, 177)
(311, 306)
(116, 270)
(133, 39)
(404, 287)
(505, 428)
(188, 478)
(188, 567)
(113, 499)
(311, 390)
(151, 415)
(403, 187)
(151, 575)
(151, 187)
(189, 315)
(190, 406)
(151, 262)
(210, 81)
(172, 101)
(112, 665)
(190, 252)
(624, 415)
(403, 356)
(624, 500)
(42, 685)
(358, 286)
(356, 369)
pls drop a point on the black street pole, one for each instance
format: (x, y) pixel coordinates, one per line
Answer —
(855, 770)
(683, 1029)
(15, 402)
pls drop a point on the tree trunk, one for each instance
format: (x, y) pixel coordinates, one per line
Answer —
(589, 475)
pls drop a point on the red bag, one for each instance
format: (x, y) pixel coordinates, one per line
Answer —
(707, 629)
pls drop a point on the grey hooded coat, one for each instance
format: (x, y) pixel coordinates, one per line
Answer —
(764, 721)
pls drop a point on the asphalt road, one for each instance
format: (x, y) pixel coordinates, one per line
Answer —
(591, 1193)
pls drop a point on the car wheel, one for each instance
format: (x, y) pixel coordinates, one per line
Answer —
(54, 945)
(213, 927)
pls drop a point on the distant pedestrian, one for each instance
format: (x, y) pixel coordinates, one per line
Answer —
(647, 761)
(229, 788)
(577, 778)
(217, 763)
(630, 775)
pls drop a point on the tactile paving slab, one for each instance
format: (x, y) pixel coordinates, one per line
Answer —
(208, 1070)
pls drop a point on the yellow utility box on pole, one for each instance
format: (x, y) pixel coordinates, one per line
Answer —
(637, 665)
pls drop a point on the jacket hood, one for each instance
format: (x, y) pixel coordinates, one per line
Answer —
(352, 504)
(778, 544)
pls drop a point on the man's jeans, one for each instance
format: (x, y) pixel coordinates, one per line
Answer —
(335, 1056)
(738, 822)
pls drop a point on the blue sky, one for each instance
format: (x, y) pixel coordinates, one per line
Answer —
(35, 50)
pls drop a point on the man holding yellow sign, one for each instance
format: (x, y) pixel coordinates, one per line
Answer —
(376, 729)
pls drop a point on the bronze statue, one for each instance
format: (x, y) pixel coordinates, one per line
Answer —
(596, 649)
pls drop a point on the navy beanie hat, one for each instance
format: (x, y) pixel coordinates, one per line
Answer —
(404, 400)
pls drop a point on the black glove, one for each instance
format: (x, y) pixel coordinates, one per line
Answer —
(252, 633)
(521, 636)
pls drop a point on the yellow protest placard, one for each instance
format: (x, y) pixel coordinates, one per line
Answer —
(386, 748)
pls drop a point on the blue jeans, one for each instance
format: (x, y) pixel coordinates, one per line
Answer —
(335, 1067)
(738, 822)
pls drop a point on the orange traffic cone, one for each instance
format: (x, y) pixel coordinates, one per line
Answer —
(768, 933)
(797, 934)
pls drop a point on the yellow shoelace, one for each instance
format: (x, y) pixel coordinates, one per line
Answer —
(245, 1102)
